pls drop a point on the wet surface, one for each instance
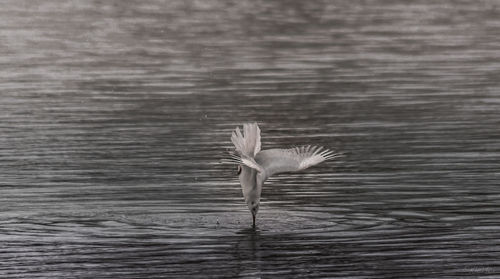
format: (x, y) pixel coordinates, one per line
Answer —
(114, 118)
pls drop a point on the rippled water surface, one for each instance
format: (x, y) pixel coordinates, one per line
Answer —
(115, 115)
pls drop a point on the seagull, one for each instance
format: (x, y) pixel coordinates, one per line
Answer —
(255, 166)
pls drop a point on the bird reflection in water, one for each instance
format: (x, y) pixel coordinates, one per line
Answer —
(248, 251)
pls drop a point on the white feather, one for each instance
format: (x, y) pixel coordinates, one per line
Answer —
(248, 143)
(275, 161)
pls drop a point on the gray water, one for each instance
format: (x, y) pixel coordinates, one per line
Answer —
(115, 116)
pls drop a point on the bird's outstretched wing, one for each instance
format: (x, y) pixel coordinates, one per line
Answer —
(248, 143)
(245, 160)
(275, 161)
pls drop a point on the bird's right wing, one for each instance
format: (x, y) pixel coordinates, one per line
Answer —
(275, 161)
(248, 143)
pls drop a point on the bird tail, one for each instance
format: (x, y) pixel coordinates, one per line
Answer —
(248, 143)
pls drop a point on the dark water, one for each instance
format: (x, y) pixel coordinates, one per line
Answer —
(114, 116)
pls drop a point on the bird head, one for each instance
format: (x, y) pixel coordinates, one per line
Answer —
(253, 205)
(251, 186)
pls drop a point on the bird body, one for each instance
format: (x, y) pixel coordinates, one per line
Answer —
(256, 165)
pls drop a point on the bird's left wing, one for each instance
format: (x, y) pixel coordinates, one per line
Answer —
(294, 159)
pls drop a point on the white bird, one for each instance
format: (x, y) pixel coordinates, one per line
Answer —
(256, 166)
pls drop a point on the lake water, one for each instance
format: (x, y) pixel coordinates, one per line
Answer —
(115, 116)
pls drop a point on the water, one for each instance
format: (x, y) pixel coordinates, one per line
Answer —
(114, 117)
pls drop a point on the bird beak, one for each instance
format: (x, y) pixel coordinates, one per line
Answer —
(253, 216)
